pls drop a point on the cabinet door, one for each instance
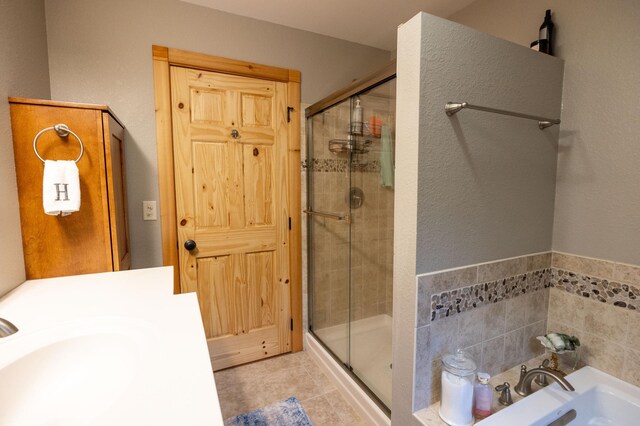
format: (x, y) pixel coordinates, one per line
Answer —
(116, 187)
(57, 246)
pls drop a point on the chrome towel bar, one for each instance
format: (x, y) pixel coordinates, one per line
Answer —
(63, 131)
(339, 217)
(453, 107)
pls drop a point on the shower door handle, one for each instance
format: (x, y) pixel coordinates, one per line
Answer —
(339, 217)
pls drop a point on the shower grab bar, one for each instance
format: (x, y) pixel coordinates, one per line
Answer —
(339, 217)
(453, 107)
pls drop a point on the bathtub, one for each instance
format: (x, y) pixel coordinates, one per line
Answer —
(598, 399)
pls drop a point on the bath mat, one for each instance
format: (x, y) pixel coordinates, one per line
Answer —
(284, 413)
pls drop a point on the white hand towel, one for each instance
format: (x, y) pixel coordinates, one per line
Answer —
(60, 188)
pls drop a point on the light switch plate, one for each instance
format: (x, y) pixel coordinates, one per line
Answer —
(149, 211)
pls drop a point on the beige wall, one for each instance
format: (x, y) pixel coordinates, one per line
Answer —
(24, 72)
(100, 51)
(597, 210)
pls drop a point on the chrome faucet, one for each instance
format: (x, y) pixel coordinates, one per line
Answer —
(526, 377)
(7, 328)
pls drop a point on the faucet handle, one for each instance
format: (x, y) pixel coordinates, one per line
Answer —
(505, 396)
(523, 372)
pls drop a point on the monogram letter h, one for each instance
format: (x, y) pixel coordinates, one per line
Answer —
(62, 191)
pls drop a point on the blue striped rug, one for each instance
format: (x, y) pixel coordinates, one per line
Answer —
(284, 413)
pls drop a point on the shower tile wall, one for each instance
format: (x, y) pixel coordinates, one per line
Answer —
(370, 257)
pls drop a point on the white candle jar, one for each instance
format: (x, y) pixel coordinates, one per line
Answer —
(458, 379)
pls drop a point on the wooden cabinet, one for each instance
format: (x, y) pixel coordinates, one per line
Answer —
(96, 238)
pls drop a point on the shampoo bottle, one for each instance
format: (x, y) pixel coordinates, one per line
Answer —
(356, 118)
(482, 397)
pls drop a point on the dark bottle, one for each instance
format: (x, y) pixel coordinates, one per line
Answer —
(546, 34)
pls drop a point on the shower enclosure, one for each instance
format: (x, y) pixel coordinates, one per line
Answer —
(350, 228)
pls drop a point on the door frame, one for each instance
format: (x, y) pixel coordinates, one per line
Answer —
(163, 59)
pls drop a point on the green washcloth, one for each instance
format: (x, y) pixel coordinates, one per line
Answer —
(386, 158)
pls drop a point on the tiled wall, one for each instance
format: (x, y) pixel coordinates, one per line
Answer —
(493, 310)
(351, 265)
(596, 300)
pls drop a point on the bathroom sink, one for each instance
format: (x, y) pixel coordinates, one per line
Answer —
(114, 348)
(599, 399)
(72, 373)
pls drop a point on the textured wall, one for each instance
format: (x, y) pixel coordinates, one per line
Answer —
(597, 210)
(486, 181)
(408, 118)
(24, 72)
(101, 52)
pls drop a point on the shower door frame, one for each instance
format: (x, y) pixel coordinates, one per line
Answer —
(383, 75)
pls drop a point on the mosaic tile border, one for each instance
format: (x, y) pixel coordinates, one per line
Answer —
(456, 301)
(452, 302)
(600, 289)
(338, 165)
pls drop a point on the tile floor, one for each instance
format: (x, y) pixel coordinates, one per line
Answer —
(261, 383)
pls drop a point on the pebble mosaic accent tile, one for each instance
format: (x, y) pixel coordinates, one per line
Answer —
(339, 165)
(606, 291)
(452, 302)
(449, 303)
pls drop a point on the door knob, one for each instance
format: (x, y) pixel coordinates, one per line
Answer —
(235, 134)
(190, 245)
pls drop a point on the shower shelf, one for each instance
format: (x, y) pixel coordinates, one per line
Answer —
(349, 145)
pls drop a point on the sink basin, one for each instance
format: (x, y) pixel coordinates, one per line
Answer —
(114, 348)
(599, 399)
(70, 374)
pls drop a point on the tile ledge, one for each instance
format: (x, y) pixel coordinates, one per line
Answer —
(613, 262)
(475, 265)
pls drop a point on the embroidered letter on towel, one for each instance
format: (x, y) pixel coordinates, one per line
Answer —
(60, 188)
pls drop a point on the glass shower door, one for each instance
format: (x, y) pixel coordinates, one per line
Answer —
(372, 241)
(350, 230)
(328, 230)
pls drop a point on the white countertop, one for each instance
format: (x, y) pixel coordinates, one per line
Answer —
(166, 372)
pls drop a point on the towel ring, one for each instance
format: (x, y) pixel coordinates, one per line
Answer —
(63, 131)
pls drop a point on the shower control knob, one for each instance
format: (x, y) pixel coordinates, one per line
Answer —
(190, 245)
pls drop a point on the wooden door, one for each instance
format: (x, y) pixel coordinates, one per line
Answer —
(231, 174)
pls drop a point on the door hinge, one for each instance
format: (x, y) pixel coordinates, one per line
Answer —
(289, 109)
(289, 224)
(291, 324)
